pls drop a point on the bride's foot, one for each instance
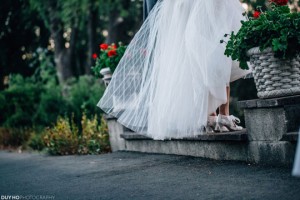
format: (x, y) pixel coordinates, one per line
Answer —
(219, 127)
(213, 127)
(211, 123)
(229, 122)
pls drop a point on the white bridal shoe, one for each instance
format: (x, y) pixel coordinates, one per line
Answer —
(229, 122)
(212, 124)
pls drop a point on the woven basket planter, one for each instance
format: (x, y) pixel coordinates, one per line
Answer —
(274, 77)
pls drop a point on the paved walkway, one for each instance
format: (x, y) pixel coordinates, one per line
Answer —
(132, 176)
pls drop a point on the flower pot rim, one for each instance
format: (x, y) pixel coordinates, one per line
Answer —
(105, 70)
(256, 50)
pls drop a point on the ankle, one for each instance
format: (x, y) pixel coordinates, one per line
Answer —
(224, 113)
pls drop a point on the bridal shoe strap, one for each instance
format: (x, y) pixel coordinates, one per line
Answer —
(235, 119)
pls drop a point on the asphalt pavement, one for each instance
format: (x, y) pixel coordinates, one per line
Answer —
(125, 175)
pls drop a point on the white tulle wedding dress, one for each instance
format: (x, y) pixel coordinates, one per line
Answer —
(296, 169)
(174, 72)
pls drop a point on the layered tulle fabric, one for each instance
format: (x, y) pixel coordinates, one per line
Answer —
(174, 72)
(296, 168)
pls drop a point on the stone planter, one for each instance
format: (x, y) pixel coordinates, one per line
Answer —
(106, 75)
(274, 77)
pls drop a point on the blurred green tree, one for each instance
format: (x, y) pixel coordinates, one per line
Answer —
(21, 33)
(71, 29)
(253, 4)
(73, 25)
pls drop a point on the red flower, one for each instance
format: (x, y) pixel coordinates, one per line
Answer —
(280, 2)
(112, 53)
(256, 14)
(114, 46)
(94, 56)
(103, 46)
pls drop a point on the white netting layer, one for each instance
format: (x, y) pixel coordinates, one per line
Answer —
(174, 72)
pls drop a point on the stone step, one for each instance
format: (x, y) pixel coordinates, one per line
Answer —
(270, 138)
(220, 146)
(254, 147)
(226, 136)
(291, 137)
(223, 146)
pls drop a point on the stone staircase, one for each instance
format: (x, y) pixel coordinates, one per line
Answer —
(270, 138)
(229, 146)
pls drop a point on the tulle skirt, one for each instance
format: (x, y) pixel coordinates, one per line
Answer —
(296, 169)
(174, 72)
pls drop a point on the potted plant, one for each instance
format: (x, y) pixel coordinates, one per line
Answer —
(108, 60)
(270, 43)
